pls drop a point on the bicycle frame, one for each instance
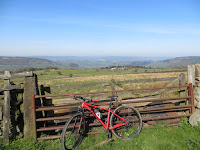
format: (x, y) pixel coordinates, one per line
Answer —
(106, 126)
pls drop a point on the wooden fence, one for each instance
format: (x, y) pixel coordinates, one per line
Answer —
(12, 102)
(152, 109)
(114, 83)
(49, 112)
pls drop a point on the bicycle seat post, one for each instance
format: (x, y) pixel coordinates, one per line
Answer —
(110, 102)
(111, 98)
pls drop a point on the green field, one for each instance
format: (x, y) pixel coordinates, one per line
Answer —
(160, 137)
(52, 78)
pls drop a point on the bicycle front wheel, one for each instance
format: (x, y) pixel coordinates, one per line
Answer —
(129, 130)
(73, 132)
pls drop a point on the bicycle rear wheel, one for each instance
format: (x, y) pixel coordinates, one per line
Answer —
(73, 132)
(134, 125)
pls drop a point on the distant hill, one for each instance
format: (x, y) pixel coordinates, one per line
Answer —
(98, 61)
(17, 63)
(175, 62)
(76, 62)
(102, 61)
(141, 63)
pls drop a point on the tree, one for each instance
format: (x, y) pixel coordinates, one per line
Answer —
(73, 66)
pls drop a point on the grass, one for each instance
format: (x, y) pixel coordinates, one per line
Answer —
(184, 137)
(52, 79)
(64, 79)
(81, 76)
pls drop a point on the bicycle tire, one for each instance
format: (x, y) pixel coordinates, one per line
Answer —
(134, 126)
(73, 132)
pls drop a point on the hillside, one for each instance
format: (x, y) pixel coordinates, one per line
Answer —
(175, 62)
(17, 63)
(102, 61)
(97, 61)
(75, 62)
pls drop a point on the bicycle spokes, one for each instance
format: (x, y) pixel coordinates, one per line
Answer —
(132, 122)
(74, 131)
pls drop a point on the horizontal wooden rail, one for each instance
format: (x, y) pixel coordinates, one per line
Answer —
(165, 117)
(118, 82)
(59, 136)
(17, 75)
(47, 108)
(99, 124)
(114, 91)
(161, 109)
(53, 118)
(169, 111)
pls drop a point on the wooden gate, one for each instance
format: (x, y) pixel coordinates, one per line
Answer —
(168, 108)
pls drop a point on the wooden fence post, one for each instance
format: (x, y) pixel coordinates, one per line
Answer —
(182, 81)
(191, 74)
(112, 84)
(30, 85)
(6, 110)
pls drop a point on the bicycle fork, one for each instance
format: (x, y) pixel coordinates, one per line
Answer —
(109, 133)
(79, 126)
(81, 122)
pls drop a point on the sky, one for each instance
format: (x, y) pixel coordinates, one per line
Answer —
(150, 28)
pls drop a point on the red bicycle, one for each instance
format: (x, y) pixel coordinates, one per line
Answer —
(125, 122)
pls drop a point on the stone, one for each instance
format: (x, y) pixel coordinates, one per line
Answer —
(194, 118)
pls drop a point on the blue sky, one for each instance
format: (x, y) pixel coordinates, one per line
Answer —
(100, 28)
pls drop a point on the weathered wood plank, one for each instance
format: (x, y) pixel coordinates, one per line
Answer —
(191, 74)
(29, 90)
(11, 87)
(148, 80)
(119, 82)
(1, 113)
(16, 75)
(79, 85)
(168, 85)
(182, 80)
(6, 111)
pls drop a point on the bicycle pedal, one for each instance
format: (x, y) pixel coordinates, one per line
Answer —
(111, 140)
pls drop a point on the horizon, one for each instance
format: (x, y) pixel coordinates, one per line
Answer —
(168, 28)
(37, 56)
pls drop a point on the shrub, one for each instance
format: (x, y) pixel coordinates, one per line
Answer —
(59, 73)
(136, 70)
(70, 75)
(184, 123)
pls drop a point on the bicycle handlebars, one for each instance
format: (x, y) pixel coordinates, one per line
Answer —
(91, 100)
(84, 99)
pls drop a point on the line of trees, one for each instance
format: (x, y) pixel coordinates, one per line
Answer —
(126, 67)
